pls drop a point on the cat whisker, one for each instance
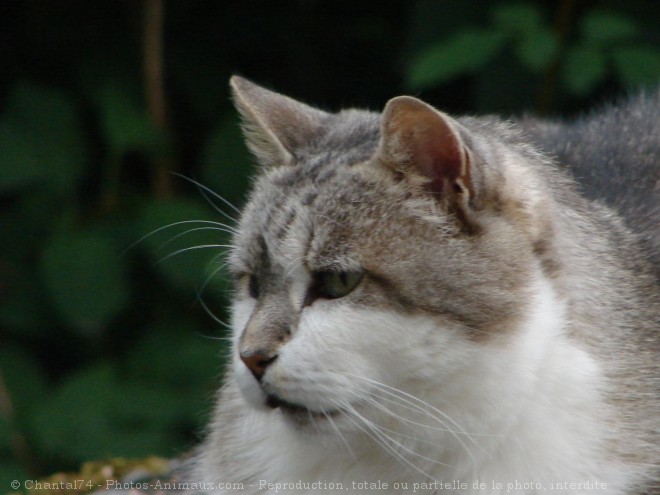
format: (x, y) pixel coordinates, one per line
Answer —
(225, 338)
(372, 401)
(224, 262)
(388, 443)
(218, 225)
(204, 190)
(426, 409)
(379, 441)
(200, 292)
(430, 427)
(192, 248)
(409, 399)
(416, 439)
(189, 231)
(340, 435)
(211, 275)
(212, 314)
(385, 432)
(457, 434)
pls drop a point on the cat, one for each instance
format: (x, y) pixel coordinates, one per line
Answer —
(432, 304)
(615, 155)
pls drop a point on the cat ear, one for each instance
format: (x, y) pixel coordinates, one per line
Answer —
(426, 146)
(275, 125)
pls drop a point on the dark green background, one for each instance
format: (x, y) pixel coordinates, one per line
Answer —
(106, 347)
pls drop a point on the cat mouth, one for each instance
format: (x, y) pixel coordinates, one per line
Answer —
(297, 410)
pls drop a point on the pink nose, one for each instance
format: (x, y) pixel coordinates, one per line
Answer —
(257, 362)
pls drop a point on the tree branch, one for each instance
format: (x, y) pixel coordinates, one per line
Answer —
(563, 24)
(154, 15)
(18, 445)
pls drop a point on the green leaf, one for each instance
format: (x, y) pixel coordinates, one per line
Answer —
(601, 27)
(584, 68)
(177, 355)
(29, 219)
(637, 66)
(22, 308)
(93, 415)
(41, 140)
(182, 360)
(518, 18)
(73, 423)
(85, 280)
(465, 52)
(538, 50)
(187, 244)
(23, 377)
(227, 164)
(126, 124)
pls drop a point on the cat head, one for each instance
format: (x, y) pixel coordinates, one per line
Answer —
(379, 256)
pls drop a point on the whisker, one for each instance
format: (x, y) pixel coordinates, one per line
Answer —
(383, 431)
(384, 439)
(204, 190)
(201, 246)
(214, 337)
(410, 407)
(375, 403)
(200, 293)
(384, 445)
(224, 253)
(403, 395)
(380, 406)
(170, 241)
(209, 278)
(159, 229)
(339, 434)
(211, 313)
(420, 405)
(417, 408)
(455, 434)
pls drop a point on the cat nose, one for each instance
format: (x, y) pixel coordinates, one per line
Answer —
(257, 362)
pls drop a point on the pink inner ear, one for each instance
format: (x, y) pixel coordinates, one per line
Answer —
(429, 141)
(439, 156)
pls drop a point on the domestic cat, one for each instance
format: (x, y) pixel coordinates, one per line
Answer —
(430, 304)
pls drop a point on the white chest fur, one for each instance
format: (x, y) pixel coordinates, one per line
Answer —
(424, 409)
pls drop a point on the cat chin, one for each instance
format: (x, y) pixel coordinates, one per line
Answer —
(250, 389)
(323, 426)
(297, 415)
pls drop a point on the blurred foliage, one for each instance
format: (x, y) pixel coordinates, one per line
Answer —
(603, 39)
(109, 266)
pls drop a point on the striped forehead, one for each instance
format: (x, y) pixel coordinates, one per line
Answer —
(284, 207)
(279, 229)
(287, 232)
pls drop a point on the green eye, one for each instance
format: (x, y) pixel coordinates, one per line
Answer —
(337, 284)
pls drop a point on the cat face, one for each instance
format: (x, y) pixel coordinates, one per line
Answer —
(373, 264)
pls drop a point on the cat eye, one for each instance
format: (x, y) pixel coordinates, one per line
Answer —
(253, 287)
(333, 285)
